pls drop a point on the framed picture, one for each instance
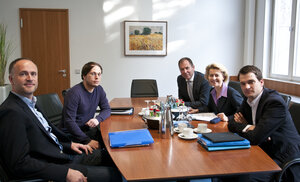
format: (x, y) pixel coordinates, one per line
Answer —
(145, 38)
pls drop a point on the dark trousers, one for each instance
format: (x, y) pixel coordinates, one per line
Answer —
(95, 172)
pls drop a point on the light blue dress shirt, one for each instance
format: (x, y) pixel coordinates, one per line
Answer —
(31, 104)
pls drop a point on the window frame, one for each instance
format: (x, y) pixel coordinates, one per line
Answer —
(292, 53)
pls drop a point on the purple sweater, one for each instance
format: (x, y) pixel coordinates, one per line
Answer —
(79, 107)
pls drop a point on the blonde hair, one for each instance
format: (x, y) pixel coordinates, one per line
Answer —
(218, 67)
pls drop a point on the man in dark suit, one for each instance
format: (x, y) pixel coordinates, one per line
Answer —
(264, 119)
(193, 88)
(31, 147)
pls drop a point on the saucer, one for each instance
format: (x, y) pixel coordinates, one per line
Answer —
(180, 135)
(207, 130)
(176, 130)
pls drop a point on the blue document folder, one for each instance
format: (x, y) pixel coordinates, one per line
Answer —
(224, 147)
(130, 138)
(215, 146)
(209, 143)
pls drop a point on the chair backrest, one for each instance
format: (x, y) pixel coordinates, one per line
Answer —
(283, 175)
(286, 98)
(236, 85)
(295, 113)
(144, 88)
(64, 92)
(52, 107)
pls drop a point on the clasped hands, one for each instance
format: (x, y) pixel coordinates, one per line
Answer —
(239, 118)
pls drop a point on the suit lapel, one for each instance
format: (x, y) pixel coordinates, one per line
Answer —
(259, 106)
(29, 113)
(196, 85)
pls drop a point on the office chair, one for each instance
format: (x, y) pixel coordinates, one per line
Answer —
(286, 98)
(283, 174)
(64, 92)
(51, 106)
(236, 85)
(144, 88)
(295, 113)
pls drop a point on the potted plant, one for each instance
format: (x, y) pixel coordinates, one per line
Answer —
(5, 52)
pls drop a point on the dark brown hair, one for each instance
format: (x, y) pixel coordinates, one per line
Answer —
(185, 58)
(87, 68)
(250, 69)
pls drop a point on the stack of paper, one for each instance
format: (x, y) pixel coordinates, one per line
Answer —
(130, 138)
(122, 111)
(223, 141)
(207, 116)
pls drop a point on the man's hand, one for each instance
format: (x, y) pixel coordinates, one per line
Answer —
(92, 123)
(77, 146)
(94, 144)
(239, 118)
(192, 111)
(222, 116)
(75, 176)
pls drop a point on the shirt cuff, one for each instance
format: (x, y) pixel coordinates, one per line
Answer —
(246, 128)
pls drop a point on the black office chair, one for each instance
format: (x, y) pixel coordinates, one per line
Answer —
(282, 176)
(64, 92)
(52, 107)
(144, 88)
(295, 113)
(236, 85)
(286, 98)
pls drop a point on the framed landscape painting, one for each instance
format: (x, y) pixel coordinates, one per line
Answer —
(145, 38)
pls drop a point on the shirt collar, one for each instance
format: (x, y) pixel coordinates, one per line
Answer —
(255, 101)
(192, 78)
(30, 103)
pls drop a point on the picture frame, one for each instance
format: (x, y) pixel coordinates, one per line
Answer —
(145, 38)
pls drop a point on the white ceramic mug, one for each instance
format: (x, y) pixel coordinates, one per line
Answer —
(202, 127)
(181, 126)
(187, 132)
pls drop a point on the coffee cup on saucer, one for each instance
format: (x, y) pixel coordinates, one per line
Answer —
(181, 126)
(202, 127)
(187, 132)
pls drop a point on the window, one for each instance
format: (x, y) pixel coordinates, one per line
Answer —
(285, 51)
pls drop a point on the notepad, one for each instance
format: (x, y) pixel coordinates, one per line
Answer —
(122, 110)
(222, 137)
(130, 138)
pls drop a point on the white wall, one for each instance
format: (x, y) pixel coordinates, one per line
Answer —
(205, 30)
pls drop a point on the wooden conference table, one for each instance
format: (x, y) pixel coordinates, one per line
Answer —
(170, 158)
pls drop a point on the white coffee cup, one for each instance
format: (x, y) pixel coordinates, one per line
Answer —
(181, 126)
(187, 132)
(202, 127)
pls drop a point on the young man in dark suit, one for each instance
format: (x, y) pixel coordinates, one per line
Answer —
(31, 147)
(193, 88)
(264, 119)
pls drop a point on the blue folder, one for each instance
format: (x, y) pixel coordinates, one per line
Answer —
(209, 143)
(215, 146)
(130, 138)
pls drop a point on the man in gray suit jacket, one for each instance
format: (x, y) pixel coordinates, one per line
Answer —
(193, 88)
(31, 147)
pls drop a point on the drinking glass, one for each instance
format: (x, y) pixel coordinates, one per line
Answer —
(147, 111)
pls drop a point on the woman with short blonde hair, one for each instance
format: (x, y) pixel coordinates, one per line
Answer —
(224, 101)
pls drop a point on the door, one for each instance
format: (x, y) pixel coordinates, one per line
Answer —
(45, 40)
